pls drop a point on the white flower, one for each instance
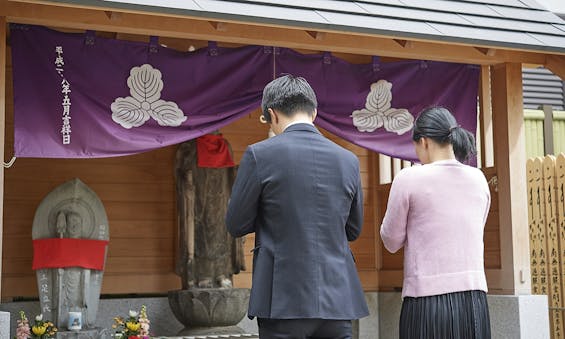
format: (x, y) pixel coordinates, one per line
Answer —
(39, 317)
(145, 101)
(378, 112)
(133, 314)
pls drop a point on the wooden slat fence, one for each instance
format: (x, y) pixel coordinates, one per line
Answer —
(546, 214)
(533, 126)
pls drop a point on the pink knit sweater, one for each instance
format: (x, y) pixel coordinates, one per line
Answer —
(438, 212)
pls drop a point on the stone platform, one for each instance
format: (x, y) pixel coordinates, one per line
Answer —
(216, 336)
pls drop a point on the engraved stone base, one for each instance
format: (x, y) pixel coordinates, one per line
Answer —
(200, 308)
(95, 333)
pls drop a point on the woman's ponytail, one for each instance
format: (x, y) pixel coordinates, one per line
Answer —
(463, 143)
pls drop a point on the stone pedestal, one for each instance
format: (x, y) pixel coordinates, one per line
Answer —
(209, 310)
(4, 325)
(95, 333)
(519, 316)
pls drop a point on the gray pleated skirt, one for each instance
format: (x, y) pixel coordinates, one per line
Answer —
(459, 315)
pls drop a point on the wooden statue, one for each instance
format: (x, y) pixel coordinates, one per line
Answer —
(208, 256)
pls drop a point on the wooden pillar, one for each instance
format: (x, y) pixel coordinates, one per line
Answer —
(2, 129)
(510, 163)
(374, 180)
(547, 129)
(385, 169)
(485, 108)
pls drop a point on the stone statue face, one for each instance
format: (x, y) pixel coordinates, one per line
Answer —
(61, 224)
(74, 225)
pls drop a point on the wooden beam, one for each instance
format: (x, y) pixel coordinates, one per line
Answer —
(510, 162)
(166, 25)
(2, 129)
(556, 64)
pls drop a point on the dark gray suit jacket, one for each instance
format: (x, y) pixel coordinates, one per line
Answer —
(301, 194)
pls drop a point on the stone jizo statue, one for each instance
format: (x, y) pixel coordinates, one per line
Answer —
(74, 211)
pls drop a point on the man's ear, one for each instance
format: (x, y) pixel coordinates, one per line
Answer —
(274, 116)
(314, 114)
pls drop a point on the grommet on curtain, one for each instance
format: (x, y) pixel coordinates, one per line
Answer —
(153, 44)
(89, 38)
(376, 63)
(271, 50)
(327, 58)
(212, 48)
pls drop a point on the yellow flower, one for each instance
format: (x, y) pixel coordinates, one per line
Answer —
(133, 326)
(39, 329)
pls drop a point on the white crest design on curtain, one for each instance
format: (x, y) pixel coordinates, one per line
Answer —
(145, 86)
(378, 113)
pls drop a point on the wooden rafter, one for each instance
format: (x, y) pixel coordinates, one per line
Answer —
(486, 51)
(135, 22)
(219, 26)
(113, 15)
(316, 35)
(404, 43)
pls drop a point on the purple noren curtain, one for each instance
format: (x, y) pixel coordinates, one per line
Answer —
(82, 96)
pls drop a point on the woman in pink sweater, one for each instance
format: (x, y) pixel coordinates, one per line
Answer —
(437, 212)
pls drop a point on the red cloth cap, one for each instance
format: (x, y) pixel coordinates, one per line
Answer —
(213, 151)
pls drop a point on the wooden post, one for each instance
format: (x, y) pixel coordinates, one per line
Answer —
(487, 153)
(547, 129)
(385, 169)
(536, 220)
(510, 163)
(2, 128)
(555, 294)
(374, 179)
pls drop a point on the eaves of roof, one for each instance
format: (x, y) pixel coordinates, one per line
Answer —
(514, 24)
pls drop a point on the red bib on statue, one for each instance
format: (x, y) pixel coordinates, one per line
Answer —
(67, 252)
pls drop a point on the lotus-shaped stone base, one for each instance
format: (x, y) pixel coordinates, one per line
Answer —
(209, 310)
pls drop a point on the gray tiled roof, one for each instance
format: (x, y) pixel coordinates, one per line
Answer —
(522, 24)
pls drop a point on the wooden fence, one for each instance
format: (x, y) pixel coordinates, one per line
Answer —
(535, 133)
(546, 213)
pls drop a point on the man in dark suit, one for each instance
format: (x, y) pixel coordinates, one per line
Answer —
(301, 194)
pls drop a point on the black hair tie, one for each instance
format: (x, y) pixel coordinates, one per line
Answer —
(454, 127)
